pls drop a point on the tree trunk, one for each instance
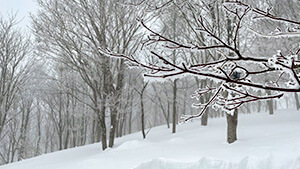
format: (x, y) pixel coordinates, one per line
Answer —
(93, 139)
(297, 101)
(204, 99)
(112, 131)
(24, 126)
(102, 123)
(143, 110)
(168, 115)
(162, 107)
(204, 118)
(174, 106)
(270, 103)
(118, 125)
(130, 115)
(143, 117)
(232, 121)
(39, 132)
(174, 116)
(116, 103)
(67, 139)
(259, 103)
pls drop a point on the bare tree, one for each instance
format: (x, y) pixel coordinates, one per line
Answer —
(141, 94)
(71, 32)
(238, 73)
(14, 68)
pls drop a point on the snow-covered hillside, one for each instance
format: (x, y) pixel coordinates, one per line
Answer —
(264, 142)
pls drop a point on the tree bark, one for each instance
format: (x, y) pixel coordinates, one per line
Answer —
(297, 101)
(116, 103)
(130, 115)
(143, 117)
(259, 103)
(102, 123)
(143, 110)
(270, 103)
(174, 106)
(113, 121)
(204, 118)
(232, 121)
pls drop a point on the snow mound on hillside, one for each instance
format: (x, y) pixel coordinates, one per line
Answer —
(134, 144)
(211, 163)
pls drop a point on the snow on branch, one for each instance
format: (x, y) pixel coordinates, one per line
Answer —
(238, 74)
(263, 13)
(291, 31)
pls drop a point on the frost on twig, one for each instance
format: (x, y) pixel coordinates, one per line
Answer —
(235, 74)
(227, 97)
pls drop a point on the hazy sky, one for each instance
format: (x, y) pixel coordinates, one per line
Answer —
(22, 7)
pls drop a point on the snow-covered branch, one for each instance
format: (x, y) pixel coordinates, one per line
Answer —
(238, 72)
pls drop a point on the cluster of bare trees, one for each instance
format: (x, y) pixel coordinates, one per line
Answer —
(15, 93)
(63, 88)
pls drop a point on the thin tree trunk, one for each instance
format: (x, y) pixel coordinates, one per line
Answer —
(297, 101)
(39, 133)
(93, 139)
(142, 110)
(174, 106)
(168, 115)
(270, 103)
(102, 123)
(143, 117)
(204, 118)
(160, 102)
(130, 114)
(259, 103)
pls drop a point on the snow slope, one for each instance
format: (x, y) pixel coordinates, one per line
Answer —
(265, 142)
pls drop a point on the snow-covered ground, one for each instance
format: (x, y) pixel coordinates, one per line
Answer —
(264, 142)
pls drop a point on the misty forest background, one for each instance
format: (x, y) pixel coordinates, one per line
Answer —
(58, 91)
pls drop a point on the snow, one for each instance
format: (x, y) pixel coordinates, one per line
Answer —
(264, 142)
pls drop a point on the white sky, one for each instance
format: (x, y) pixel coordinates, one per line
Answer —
(22, 7)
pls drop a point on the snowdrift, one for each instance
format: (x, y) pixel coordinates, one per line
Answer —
(211, 163)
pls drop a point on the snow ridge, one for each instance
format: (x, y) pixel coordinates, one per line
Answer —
(249, 162)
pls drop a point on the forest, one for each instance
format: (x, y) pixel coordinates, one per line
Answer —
(91, 71)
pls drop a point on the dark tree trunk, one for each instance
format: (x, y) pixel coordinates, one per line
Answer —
(204, 118)
(93, 139)
(112, 131)
(98, 129)
(174, 106)
(142, 109)
(174, 115)
(118, 125)
(117, 96)
(102, 123)
(67, 139)
(143, 117)
(232, 121)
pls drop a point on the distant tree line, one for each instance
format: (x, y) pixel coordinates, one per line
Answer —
(79, 77)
